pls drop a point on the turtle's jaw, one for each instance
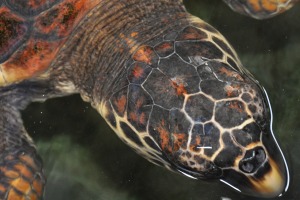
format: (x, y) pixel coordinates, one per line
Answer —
(273, 183)
(268, 182)
(263, 172)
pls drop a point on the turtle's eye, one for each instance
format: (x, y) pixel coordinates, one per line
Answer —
(253, 159)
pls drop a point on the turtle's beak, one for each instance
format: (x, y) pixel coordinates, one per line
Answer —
(272, 183)
(270, 179)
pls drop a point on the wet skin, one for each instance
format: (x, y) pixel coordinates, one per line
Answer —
(167, 83)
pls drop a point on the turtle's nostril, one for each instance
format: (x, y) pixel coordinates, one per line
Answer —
(253, 159)
(260, 155)
(247, 167)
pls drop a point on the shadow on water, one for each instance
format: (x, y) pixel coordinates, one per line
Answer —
(84, 159)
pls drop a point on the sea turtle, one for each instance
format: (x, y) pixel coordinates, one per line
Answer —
(167, 83)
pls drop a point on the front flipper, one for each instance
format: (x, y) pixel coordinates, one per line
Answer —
(21, 174)
(260, 9)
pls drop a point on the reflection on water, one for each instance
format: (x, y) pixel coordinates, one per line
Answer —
(85, 160)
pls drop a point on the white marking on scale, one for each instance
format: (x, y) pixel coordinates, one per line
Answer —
(203, 147)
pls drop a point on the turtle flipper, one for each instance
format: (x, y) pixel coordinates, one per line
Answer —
(21, 173)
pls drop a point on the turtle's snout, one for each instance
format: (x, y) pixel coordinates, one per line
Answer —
(262, 170)
(268, 181)
(266, 177)
(258, 175)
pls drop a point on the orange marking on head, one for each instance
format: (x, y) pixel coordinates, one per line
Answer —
(166, 45)
(144, 54)
(165, 137)
(235, 105)
(180, 89)
(140, 102)
(232, 90)
(137, 71)
(121, 103)
(194, 145)
(142, 118)
(133, 116)
(179, 140)
(230, 73)
(229, 90)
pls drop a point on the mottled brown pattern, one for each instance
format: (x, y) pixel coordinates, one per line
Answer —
(191, 33)
(165, 49)
(167, 83)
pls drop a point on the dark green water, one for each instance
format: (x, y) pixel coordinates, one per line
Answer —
(84, 159)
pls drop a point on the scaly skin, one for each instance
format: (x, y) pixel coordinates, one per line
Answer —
(166, 82)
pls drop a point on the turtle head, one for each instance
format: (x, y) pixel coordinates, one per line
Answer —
(223, 131)
(237, 145)
(261, 170)
(192, 108)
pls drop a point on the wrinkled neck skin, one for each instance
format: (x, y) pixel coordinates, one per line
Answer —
(97, 53)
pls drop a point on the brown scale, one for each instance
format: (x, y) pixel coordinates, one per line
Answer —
(119, 101)
(138, 72)
(139, 107)
(164, 49)
(191, 33)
